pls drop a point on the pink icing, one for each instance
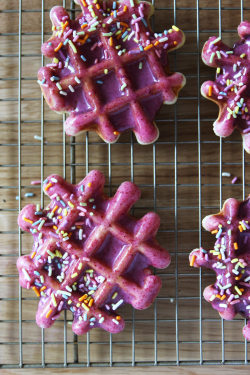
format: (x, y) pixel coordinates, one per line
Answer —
(94, 76)
(230, 294)
(86, 243)
(231, 88)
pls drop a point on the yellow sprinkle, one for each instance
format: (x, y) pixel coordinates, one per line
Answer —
(106, 71)
(192, 260)
(53, 299)
(71, 204)
(69, 302)
(36, 291)
(33, 254)
(85, 307)
(238, 290)
(74, 275)
(214, 231)
(175, 28)
(80, 266)
(42, 288)
(218, 70)
(242, 55)
(89, 184)
(27, 220)
(49, 313)
(72, 46)
(235, 260)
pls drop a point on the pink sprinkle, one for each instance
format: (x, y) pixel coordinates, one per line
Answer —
(60, 306)
(76, 38)
(65, 18)
(60, 65)
(35, 182)
(235, 301)
(67, 33)
(247, 130)
(234, 180)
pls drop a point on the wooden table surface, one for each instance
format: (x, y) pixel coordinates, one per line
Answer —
(170, 169)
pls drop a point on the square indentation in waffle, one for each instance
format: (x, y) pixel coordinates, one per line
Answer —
(89, 255)
(112, 39)
(107, 87)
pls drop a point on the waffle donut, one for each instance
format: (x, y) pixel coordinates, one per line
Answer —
(89, 255)
(109, 71)
(231, 88)
(229, 259)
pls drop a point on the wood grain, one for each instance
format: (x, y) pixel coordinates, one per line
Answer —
(178, 142)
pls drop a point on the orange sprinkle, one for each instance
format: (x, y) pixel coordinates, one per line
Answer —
(236, 246)
(36, 291)
(214, 231)
(240, 228)
(111, 42)
(89, 184)
(118, 317)
(65, 25)
(125, 8)
(55, 227)
(97, 6)
(42, 288)
(223, 297)
(238, 277)
(156, 43)
(91, 302)
(148, 47)
(33, 254)
(210, 90)
(82, 41)
(49, 313)
(124, 24)
(27, 220)
(83, 297)
(116, 132)
(192, 260)
(84, 3)
(84, 25)
(54, 209)
(219, 256)
(48, 186)
(59, 217)
(218, 296)
(58, 47)
(175, 43)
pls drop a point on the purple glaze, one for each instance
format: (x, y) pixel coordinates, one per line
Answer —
(117, 43)
(89, 256)
(229, 260)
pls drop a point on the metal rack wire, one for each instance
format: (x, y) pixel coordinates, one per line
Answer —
(70, 167)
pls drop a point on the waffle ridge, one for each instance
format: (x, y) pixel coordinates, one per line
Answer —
(101, 116)
(109, 222)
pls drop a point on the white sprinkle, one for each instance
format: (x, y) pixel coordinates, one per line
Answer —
(77, 79)
(26, 274)
(162, 40)
(114, 307)
(101, 320)
(115, 321)
(58, 86)
(63, 292)
(71, 88)
(63, 93)
(223, 305)
(226, 174)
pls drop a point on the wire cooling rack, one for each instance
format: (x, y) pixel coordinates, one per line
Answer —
(180, 177)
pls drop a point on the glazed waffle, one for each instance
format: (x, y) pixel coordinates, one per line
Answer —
(230, 91)
(229, 260)
(109, 70)
(89, 256)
